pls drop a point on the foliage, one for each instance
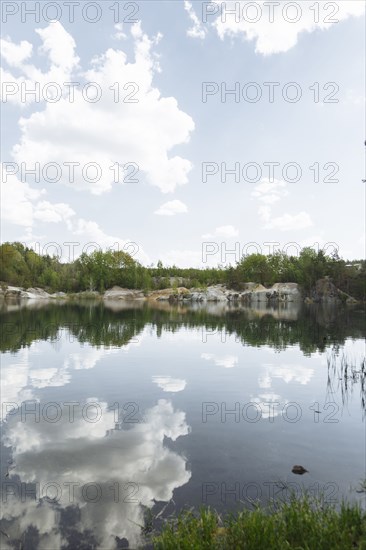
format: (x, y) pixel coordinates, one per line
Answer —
(21, 266)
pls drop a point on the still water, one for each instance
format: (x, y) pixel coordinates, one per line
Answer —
(115, 413)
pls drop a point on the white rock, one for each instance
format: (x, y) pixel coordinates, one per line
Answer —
(118, 293)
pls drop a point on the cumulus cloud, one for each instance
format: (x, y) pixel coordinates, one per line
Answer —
(55, 213)
(269, 192)
(119, 34)
(169, 384)
(197, 30)
(15, 54)
(268, 405)
(90, 233)
(171, 208)
(269, 402)
(287, 373)
(21, 378)
(21, 206)
(252, 21)
(14, 378)
(290, 222)
(18, 200)
(131, 467)
(128, 106)
(225, 231)
(59, 48)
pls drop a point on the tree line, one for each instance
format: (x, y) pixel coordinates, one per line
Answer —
(100, 270)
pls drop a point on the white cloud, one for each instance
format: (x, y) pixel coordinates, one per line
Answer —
(18, 201)
(14, 382)
(59, 46)
(196, 30)
(119, 34)
(150, 469)
(225, 231)
(49, 377)
(47, 212)
(226, 361)
(110, 129)
(290, 222)
(21, 206)
(90, 232)
(282, 34)
(88, 358)
(270, 192)
(269, 404)
(171, 208)
(287, 373)
(169, 384)
(15, 54)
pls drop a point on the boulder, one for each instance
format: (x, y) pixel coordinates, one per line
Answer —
(216, 293)
(255, 293)
(288, 292)
(35, 293)
(325, 292)
(118, 293)
(13, 292)
(29, 294)
(249, 286)
(279, 292)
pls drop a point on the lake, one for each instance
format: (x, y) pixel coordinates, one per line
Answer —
(116, 413)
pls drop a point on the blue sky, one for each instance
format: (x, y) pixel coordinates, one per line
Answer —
(168, 136)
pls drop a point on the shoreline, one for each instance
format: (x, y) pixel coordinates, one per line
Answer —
(252, 294)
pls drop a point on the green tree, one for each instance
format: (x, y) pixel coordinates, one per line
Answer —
(254, 268)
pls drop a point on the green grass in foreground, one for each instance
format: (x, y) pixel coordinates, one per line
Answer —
(304, 524)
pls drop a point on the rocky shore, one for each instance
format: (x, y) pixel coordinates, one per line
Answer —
(252, 293)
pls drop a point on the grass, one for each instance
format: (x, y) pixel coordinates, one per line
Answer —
(300, 524)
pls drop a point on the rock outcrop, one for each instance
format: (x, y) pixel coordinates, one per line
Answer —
(253, 293)
(279, 292)
(36, 293)
(325, 292)
(30, 293)
(118, 293)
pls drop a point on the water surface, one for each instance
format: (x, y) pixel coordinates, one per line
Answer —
(110, 411)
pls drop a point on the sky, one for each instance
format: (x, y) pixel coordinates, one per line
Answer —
(186, 132)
